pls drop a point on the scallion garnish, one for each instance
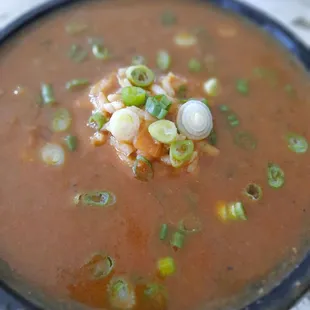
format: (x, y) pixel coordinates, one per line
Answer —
(100, 52)
(224, 108)
(163, 231)
(231, 211)
(275, 176)
(47, 94)
(99, 266)
(242, 86)
(245, 140)
(52, 154)
(77, 53)
(233, 120)
(163, 60)
(97, 120)
(182, 151)
(163, 131)
(142, 169)
(158, 106)
(168, 18)
(296, 143)
(181, 92)
(166, 266)
(194, 65)
(76, 84)
(190, 224)
(177, 240)
(253, 191)
(96, 199)
(212, 87)
(75, 28)
(71, 142)
(140, 76)
(62, 120)
(212, 139)
(133, 95)
(185, 39)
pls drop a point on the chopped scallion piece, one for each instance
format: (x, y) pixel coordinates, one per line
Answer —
(52, 154)
(77, 53)
(233, 120)
(163, 232)
(138, 60)
(245, 140)
(177, 240)
(158, 106)
(242, 86)
(97, 199)
(100, 266)
(142, 169)
(253, 191)
(190, 224)
(168, 18)
(296, 143)
(76, 83)
(231, 211)
(166, 266)
(121, 293)
(76, 28)
(185, 39)
(275, 176)
(100, 52)
(212, 87)
(163, 131)
(140, 76)
(224, 108)
(61, 120)
(97, 120)
(133, 95)
(47, 94)
(181, 92)
(163, 60)
(194, 65)
(212, 139)
(182, 151)
(71, 142)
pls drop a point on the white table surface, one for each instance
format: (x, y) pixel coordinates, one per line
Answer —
(285, 11)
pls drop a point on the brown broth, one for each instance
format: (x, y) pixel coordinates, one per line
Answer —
(46, 239)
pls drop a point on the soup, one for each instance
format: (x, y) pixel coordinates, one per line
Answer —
(154, 156)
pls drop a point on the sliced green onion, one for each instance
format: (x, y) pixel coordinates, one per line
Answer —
(100, 266)
(253, 191)
(76, 84)
(163, 60)
(140, 76)
(181, 92)
(71, 142)
(194, 120)
(62, 120)
(133, 95)
(97, 199)
(177, 240)
(232, 211)
(163, 131)
(182, 150)
(100, 52)
(275, 175)
(77, 53)
(194, 65)
(242, 86)
(142, 169)
(138, 60)
(158, 106)
(212, 87)
(166, 266)
(124, 124)
(121, 293)
(224, 108)
(52, 154)
(76, 28)
(168, 18)
(212, 139)
(190, 224)
(185, 39)
(296, 143)
(47, 94)
(245, 140)
(233, 120)
(163, 232)
(97, 120)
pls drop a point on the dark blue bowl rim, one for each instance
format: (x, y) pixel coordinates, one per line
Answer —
(297, 282)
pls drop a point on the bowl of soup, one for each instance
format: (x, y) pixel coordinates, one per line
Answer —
(154, 156)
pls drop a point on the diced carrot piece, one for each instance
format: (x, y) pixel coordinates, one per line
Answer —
(145, 143)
